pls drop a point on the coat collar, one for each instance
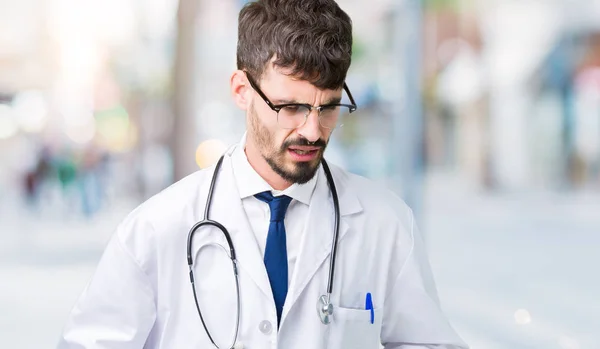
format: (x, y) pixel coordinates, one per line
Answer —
(317, 237)
(249, 182)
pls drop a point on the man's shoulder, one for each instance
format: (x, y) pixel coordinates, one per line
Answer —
(160, 219)
(168, 205)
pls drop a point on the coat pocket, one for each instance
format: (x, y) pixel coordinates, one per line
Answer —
(352, 329)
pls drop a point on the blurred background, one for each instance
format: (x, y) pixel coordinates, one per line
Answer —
(484, 115)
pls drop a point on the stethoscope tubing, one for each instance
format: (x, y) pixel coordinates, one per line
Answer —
(336, 230)
(206, 221)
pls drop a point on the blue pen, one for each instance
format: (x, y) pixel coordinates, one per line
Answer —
(369, 306)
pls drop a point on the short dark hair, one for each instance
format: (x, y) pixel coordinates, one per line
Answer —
(313, 38)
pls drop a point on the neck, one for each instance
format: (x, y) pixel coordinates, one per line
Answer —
(260, 165)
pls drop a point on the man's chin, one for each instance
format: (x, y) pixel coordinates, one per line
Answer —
(296, 165)
(304, 171)
(297, 172)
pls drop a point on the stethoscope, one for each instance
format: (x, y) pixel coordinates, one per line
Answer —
(324, 306)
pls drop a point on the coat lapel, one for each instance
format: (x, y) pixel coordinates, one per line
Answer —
(318, 233)
(316, 239)
(227, 209)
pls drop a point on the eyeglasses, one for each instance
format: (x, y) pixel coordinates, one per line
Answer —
(294, 115)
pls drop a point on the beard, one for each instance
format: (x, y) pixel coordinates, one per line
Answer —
(295, 172)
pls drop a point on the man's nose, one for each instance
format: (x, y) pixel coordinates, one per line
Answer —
(311, 130)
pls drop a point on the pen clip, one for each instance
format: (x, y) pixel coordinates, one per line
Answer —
(369, 306)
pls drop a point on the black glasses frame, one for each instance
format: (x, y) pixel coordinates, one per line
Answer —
(277, 107)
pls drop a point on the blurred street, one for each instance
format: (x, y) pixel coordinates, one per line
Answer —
(541, 293)
(45, 260)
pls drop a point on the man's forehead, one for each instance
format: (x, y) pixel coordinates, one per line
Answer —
(283, 74)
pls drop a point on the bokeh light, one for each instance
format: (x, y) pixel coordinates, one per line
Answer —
(81, 132)
(8, 125)
(209, 151)
(31, 111)
(115, 130)
(522, 317)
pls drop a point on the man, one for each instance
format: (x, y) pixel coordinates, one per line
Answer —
(272, 194)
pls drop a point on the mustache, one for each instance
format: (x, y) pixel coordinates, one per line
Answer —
(303, 142)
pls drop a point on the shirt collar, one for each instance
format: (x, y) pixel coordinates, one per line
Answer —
(249, 182)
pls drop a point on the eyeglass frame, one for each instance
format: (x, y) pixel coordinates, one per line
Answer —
(277, 107)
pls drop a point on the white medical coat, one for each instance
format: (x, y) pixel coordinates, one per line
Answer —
(140, 295)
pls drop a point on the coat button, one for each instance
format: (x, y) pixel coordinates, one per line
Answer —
(265, 327)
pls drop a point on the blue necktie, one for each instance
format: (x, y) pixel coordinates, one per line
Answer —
(276, 250)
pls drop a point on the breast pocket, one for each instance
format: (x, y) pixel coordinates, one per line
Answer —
(352, 329)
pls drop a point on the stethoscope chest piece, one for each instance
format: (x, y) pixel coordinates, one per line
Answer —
(325, 309)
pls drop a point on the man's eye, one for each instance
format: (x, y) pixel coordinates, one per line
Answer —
(295, 109)
(328, 107)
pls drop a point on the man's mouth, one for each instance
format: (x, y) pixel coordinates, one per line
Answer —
(304, 150)
(303, 153)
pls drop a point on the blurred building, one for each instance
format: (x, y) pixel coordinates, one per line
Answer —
(500, 93)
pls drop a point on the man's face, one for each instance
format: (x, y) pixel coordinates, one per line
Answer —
(294, 154)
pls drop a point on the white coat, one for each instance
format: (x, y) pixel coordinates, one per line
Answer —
(141, 297)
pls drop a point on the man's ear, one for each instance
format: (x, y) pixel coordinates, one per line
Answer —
(240, 90)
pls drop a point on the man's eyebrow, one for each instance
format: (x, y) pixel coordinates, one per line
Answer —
(334, 100)
(287, 101)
